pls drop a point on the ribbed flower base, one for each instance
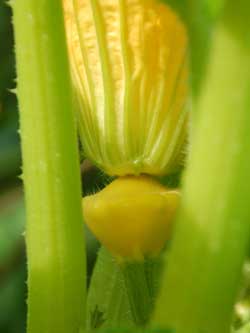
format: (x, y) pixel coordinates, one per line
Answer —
(129, 67)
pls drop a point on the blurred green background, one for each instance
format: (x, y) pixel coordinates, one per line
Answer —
(12, 251)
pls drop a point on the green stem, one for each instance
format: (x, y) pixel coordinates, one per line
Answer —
(54, 235)
(141, 280)
(139, 290)
(213, 230)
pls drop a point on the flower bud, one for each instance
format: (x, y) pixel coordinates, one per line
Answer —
(129, 68)
(132, 216)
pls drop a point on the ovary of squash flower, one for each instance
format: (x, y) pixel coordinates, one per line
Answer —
(129, 65)
(132, 216)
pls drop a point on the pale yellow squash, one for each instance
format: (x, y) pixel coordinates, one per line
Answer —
(132, 216)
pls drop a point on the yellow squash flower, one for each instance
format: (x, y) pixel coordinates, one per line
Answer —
(129, 68)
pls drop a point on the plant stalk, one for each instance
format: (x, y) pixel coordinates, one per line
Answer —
(141, 281)
(213, 231)
(54, 231)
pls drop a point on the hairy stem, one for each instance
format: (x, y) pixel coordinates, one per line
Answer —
(54, 232)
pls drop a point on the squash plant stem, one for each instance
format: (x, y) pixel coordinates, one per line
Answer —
(212, 231)
(54, 231)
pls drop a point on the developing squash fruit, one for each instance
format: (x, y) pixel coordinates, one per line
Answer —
(129, 67)
(132, 216)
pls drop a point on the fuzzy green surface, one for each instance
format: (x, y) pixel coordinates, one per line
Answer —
(54, 232)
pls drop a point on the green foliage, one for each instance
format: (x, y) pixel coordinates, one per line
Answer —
(12, 254)
(11, 225)
(9, 143)
(245, 329)
(12, 260)
(6, 50)
(12, 301)
(215, 6)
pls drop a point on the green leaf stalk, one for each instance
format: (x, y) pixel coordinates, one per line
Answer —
(54, 232)
(212, 231)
